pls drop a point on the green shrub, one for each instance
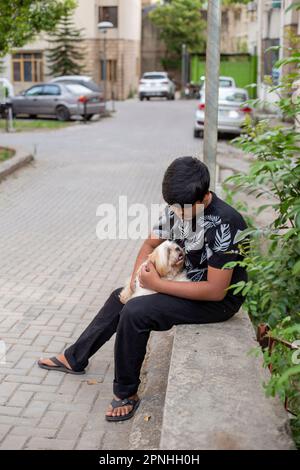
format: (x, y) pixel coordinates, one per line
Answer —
(273, 256)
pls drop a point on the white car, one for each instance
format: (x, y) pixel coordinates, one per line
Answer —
(232, 110)
(156, 84)
(224, 82)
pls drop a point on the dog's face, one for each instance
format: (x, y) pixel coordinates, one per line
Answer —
(168, 259)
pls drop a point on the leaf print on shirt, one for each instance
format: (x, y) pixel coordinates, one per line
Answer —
(211, 221)
(209, 252)
(222, 238)
(195, 242)
(196, 274)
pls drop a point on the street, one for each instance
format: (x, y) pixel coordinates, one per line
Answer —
(55, 274)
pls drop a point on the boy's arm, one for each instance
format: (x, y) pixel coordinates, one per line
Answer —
(147, 247)
(218, 280)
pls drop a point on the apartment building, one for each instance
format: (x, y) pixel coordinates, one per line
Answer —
(275, 27)
(28, 65)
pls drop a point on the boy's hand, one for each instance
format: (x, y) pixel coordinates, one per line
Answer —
(149, 277)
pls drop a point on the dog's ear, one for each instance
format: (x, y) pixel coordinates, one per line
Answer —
(160, 264)
(152, 258)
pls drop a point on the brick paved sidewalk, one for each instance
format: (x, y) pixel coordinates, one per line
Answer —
(55, 273)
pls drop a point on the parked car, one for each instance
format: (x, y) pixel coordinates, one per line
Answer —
(84, 80)
(156, 84)
(224, 82)
(60, 100)
(232, 109)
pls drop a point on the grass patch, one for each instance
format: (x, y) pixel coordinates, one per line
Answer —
(5, 154)
(21, 125)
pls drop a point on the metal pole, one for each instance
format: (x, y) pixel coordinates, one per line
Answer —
(183, 72)
(104, 69)
(212, 88)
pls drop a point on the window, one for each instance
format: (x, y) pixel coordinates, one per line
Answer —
(111, 70)
(35, 91)
(109, 14)
(152, 76)
(27, 67)
(76, 89)
(52, 90)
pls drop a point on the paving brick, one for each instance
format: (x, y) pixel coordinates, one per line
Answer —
(20, 398)
(52, 419)
(90, 440)
(30, 431)
(13, 443)
(50, 444)
(4, 428)
(73, 425)
(35, 409)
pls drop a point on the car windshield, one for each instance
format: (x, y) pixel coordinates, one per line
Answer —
(232, 95)
(76, 89)
(225, 83)
(154, 77)
(92, 86)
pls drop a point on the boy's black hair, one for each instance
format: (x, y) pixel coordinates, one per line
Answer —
(185, 181)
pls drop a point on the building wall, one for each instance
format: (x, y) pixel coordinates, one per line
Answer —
(153, 48)
(238, 26)
(123, 45)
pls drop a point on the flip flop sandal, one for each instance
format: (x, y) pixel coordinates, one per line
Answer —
(60, 367)
(119, 403)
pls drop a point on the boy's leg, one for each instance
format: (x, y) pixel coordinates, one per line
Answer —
(156, 312)
(100, 330)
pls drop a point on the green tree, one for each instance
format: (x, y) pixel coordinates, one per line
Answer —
(66, 57)
(180, 22)
(22, 20)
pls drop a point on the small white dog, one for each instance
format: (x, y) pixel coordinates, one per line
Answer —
(168, 259)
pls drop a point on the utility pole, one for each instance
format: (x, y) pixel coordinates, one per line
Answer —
(183, 69)
(103, 27)
(212, 88)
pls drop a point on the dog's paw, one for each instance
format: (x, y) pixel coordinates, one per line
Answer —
(124, 296)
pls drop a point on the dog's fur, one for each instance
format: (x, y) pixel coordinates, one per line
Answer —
(168, 259)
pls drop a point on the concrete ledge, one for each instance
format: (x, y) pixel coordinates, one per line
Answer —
(214, 398)
(22, 157)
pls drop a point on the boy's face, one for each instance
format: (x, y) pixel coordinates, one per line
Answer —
(189, 211)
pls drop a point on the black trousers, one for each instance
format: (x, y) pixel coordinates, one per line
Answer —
(133, 323)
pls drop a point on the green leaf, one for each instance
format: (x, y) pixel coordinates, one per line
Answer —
(296, 268)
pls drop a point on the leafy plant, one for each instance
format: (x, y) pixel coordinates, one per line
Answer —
(66, 57)
(273, 257)
(180, 22)
(285, 365)
(21, 20)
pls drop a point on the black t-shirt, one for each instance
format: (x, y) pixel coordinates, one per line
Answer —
(210, 239)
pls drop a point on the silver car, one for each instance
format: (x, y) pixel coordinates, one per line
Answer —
(232, 109)
(60, 100)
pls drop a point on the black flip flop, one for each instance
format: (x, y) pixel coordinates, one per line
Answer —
(119, 403)
(60, 367)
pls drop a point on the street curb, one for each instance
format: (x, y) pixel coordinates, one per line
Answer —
(21, 158)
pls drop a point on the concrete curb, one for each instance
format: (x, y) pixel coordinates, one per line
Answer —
(21, 158)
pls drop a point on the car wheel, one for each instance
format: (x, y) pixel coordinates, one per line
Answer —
(148, 98)
(62, 113)
(173, 97)
(88, 117)
(32, 116)
(198, 133)
(141, 98)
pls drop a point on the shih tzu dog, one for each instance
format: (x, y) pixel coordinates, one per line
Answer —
(168, 260)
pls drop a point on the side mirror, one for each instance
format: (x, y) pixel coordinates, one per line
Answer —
(23, 93)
